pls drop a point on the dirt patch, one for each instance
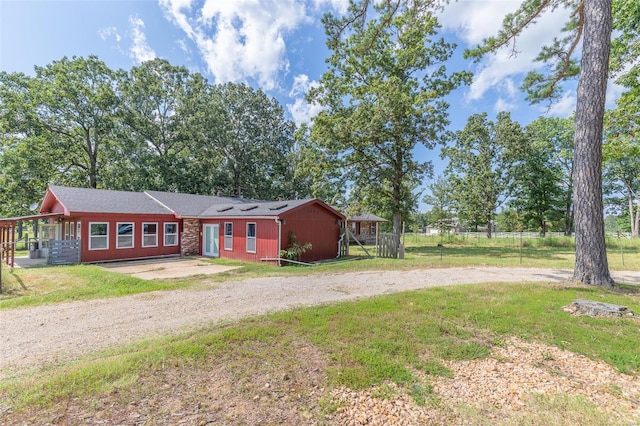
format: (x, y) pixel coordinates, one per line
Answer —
(166, 268)
(503, 389)
(517, 383)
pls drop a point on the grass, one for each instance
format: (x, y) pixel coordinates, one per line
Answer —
(46, 285)
(361, 343)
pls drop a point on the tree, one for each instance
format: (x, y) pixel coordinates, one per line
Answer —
(480, 166)
(256, 141)
(75, 103)
(621, 153)
(543, 183)
(508, 220)
(591, 22)
(25, 167)
(441, 200)
(383, 95)
(162, 105)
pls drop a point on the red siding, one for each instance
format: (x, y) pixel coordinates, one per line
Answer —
(312, 223)
(266, 239)
(113, 253)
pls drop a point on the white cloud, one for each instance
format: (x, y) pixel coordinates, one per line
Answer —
(302, 112)
(301, 85)
(339, 6)
(613, 93)
(565, 107)
(140, 50)
(504, 105)
(300, 109)
(475, 20)
(240, 39)
(107, 32)
(182, 44)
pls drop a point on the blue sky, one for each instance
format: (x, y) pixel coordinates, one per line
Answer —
(276, 45)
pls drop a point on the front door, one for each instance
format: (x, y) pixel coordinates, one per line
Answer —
(210, 240)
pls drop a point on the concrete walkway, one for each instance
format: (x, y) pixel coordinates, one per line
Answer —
(150, 269)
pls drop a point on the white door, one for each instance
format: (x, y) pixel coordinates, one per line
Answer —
(210, 240)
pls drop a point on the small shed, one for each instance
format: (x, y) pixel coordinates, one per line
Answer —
(365, 227)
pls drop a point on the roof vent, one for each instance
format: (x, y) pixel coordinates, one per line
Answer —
(278, 206)
(249, 207)
(224, 208)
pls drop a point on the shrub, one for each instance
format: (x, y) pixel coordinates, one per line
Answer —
(294, 251)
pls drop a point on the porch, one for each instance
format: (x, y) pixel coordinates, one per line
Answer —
(54, 240)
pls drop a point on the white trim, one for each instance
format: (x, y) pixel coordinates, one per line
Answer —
(98, 236)
(215, 229)
(176, 234)
(148, 235)
(230, 236)
(133, 235)
(254, 238)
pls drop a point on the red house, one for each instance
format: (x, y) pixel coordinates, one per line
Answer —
(117, 225)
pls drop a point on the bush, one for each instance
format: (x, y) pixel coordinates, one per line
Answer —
(294, 251)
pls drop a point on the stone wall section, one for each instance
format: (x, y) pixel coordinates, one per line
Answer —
(190, 243)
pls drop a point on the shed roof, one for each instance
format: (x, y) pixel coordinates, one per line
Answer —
(367, 217)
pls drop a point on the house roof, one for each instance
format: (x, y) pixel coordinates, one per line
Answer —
(254, 208)
(367, 217)
(190, 205)
(88, 200)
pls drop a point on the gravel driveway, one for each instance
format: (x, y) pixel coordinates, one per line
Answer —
(31, 337)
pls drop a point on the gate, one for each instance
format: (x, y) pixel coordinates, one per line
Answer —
(387, 246)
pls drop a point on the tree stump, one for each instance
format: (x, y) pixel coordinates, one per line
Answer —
(598, 309)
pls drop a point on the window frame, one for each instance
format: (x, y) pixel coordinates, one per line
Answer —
(92, 237)
(251, 238)
(228, 236)
(171, 234)
(133, 235)
(145, 234)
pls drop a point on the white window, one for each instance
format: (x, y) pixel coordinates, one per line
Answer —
(149, 235)
(170, 234)
(251, 237)
(228, 236)
(125, 235)
(99, 236)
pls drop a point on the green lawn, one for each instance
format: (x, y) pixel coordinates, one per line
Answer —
(42, 285)
(360, 344)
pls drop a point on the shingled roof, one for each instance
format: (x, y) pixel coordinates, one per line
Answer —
(190, 205)
(88, 200)
(367, 217)
(252, 208)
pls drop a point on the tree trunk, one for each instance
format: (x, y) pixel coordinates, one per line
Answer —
(591, 265)
(631, 215)
(489, 227)
(397, 223)
(634, 216)
(568, 208)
